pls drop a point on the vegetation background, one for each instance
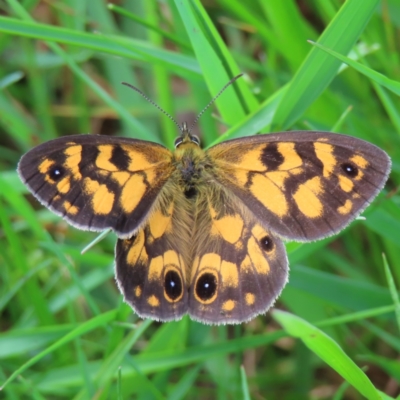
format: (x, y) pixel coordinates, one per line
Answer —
(65, 332)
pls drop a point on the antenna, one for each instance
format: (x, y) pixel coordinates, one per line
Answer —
(213, 100)
(173, 119)
(153, 103)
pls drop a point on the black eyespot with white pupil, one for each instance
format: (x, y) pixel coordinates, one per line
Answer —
(173, 285)
(350, 169)
(206, 286)
(56, 172)
(267, 244)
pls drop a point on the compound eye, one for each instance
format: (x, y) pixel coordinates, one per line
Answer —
(178, 141)
(195, 139)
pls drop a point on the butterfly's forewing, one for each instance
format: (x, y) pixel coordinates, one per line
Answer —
(302, 185)
(239, 268)
(97, 182)
(152, 266)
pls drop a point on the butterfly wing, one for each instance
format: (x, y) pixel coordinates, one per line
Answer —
(302, 185)
(239, 268)
(97, 182)
(151, 267)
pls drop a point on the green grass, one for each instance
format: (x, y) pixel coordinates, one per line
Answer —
(65, 332)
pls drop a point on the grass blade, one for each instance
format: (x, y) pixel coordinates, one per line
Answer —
(318, 69)
(329, 351)
(377, 77)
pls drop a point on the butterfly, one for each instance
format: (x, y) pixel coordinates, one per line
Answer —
(201, 231)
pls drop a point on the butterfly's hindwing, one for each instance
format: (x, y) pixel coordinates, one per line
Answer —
(238, 267)
(302, 185)
(152, 266)
(97, 182)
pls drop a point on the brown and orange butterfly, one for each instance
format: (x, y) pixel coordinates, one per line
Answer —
(200, 232)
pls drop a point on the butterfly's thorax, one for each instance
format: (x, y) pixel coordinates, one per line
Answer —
(191, 165)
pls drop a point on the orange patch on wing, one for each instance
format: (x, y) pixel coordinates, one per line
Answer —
(155, 268)
(64, 185)
(171, 258)
(90, 186)
(137, 252)
(121, 177)
(228, 305)
(307, 200)
(210, 260)
(103, 200)
(45, 165)
(290, 157)
(159, 223)
(251, 160)
(104, 156)
(279, 178)
(132, 193)
(153, 301)
(73, 158)
(229, 274)
(324, 153)
(361, 162)
(345, 184)
(249, 298)
(70, 209)
(346, 208)
(230, 227)
(138, 160)
(269, 194)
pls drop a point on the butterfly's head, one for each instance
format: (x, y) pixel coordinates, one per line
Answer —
(186, 138)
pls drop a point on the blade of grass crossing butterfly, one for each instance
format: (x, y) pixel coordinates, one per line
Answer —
(96, 240)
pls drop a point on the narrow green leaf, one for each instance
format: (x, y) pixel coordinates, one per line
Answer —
(211, 54)
(377, 77)
(111, 364)
(245, 386)
(393, 290)
(183, 386)
(329, 351)
(109, 44)
(96, 240)
(318, 69)
(10, 79)
(88, 326)
(145, 23)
